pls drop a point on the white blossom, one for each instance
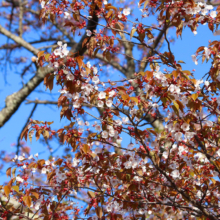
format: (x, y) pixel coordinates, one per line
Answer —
(47, 162)
(87, 123)
(119, 15)
(104, 134)
(21, 158)
(112, 93)
(30, 157)
(178, 136)
(109, 103)
(206, 83)
(195, 32)
(44, 170)
(213, 14)
(207, 52)
(95, 79)
(174, 89)
(98, 128)
(147, 87)
(81, 123)
(95, 70)
(201, 157)
(88, 33)
(88, 64)
(208, 123)
(76, 104)
(165, 154)
(125, 119)
(185, 126)
(67, 15)
(189, 135)
(43, 4)
(75, 162)
(19, 179)
(175, 174)
(126, 11)
(102, 95)
(119, 140)
(100, 103)
(217, 153)
(194, 59)
(62, 50)
(118, 122)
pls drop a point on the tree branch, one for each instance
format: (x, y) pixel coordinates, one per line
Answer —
(13, 101)
(18, 140)
(19, 40)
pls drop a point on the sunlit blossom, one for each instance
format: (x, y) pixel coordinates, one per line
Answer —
(175, 174)
(102, 95)
(104, 134)
(100, 103)
(95, 79)
(185, 126)
(109, 103)
(126, 11)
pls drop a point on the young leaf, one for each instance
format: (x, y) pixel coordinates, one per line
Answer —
(86, 148)
(27, 200)
(194, 96)
(41, 53)
(15, 188)
(91, 194)
(99, 212)
(7, 190)
(132, 32)
(13, 172)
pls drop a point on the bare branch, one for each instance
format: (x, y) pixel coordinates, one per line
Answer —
(45, 102)
(114, 64)
(60, 28)
(18, 140)
(19, 40)
(154, 46)
(129, 57)
(21, 12)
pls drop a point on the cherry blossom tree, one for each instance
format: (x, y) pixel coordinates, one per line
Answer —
(171, 167)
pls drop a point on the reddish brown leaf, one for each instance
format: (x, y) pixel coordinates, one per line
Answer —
(8, 172)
